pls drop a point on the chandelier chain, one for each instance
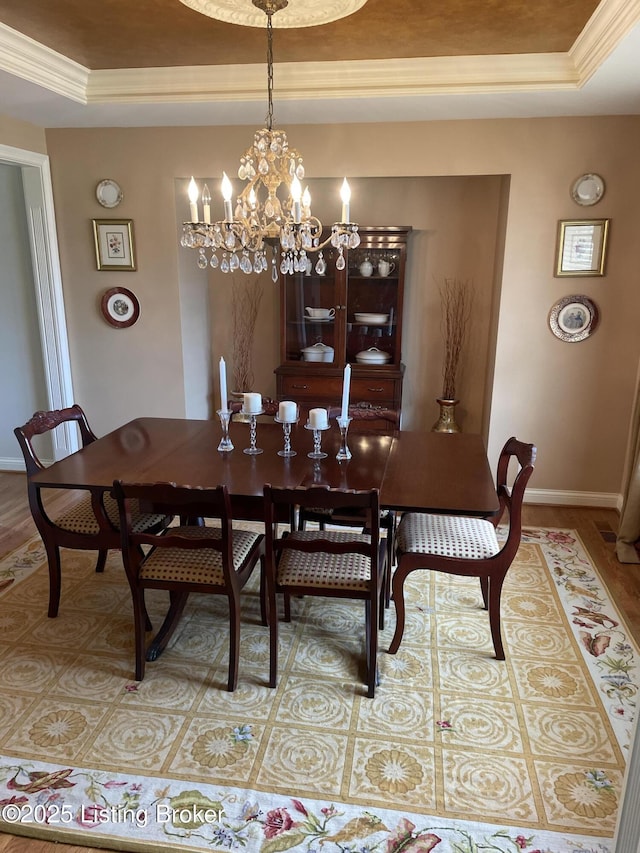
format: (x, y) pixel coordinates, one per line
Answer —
(269, 71)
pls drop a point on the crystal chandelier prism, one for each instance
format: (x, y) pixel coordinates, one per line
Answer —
(263, 222)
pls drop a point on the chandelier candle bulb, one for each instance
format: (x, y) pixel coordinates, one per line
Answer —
(227, 192)
(346, 383)
(288, 412)
(345, 195)
(296, 194)
(223, 385)
(252, 403)
(193, 198)
(318, 419)
(206, 204)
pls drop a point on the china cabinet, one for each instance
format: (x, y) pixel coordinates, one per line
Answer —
(334, 314)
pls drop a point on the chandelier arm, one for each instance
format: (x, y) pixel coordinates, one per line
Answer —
(269, 70)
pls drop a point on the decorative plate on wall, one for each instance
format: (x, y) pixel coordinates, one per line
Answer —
(120, 307)
(587, 190)
(573, 318)
(108, 193)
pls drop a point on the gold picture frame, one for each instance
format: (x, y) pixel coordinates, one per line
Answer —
(581, 247)
(114, 244)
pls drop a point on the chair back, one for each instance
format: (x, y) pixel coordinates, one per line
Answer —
(279, 500)
(43, 422)
(511, 497)
(191, 503)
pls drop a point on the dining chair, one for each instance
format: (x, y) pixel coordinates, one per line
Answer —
(466, 546)
(329, 563)
(91, 524)
(364, 418)
(217, 560)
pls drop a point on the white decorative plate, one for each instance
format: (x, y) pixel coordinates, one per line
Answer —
(109, 193)
(587, 190)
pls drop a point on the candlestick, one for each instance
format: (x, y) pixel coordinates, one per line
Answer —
(286, 428)
(224, 404)
(225, 442)
(252, 450)
(346, 382)
(317, 453)
(344, 452)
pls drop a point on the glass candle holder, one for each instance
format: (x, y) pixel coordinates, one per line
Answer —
(286, 430)
(225, 442)
(344, 452)
(252, 450)
(317, 452)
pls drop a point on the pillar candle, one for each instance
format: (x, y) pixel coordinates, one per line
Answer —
(288, 411)
(252, 403)
(223, 386)
(318, 419)
(346, 382)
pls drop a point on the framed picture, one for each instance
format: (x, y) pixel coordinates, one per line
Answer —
(582, 247)
(114, 244)
(573, 318)
(120, 307)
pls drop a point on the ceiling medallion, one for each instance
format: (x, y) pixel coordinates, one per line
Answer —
(297, 13)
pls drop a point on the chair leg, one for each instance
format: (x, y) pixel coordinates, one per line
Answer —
(495, 591)
(234, 642)
(399, 578)
(53, 559)
(484, 586)
(273, 635)
(265, 613)
(102, 559)
(371, 621)
(139, 613)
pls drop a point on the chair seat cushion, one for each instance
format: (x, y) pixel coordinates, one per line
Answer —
(339, 571)
(81, 518)
(196, 565)
(447, 536)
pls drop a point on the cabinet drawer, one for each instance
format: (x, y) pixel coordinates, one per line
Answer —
(311, 387)
(372, 389)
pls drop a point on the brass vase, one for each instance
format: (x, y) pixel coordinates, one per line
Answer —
(447, 420)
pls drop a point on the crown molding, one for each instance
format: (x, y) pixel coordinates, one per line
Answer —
(28, 59)
(603, 32)
(315, 80)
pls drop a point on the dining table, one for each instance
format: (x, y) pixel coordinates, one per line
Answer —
(414, 470)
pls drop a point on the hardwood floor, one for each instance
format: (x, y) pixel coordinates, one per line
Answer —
(596, 527)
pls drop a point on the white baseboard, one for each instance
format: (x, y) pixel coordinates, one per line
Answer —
(606, 500)
(9, 464)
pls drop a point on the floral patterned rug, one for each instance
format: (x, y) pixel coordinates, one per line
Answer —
(457, 753)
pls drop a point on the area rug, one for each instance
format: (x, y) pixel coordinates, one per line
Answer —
(458, 752)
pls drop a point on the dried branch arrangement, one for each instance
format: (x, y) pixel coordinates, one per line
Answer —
(246, 298)
(456, 299)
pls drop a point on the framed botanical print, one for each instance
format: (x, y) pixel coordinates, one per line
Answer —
(114, 244)
(582, 247)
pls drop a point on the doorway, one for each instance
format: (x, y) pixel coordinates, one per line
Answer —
(47, 300)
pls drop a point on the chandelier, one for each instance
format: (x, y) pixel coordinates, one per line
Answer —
(261, 221)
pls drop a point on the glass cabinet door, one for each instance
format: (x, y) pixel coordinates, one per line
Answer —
(312, 319)
(374, 304)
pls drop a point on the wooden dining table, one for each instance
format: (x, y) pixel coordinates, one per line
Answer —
(436, 472)
(428, 471)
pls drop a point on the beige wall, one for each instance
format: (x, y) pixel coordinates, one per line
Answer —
(21, 134)
(573, 400)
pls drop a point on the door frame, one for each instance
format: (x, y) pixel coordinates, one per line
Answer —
(52, 323)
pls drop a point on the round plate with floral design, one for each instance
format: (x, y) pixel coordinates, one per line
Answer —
(587, 190)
